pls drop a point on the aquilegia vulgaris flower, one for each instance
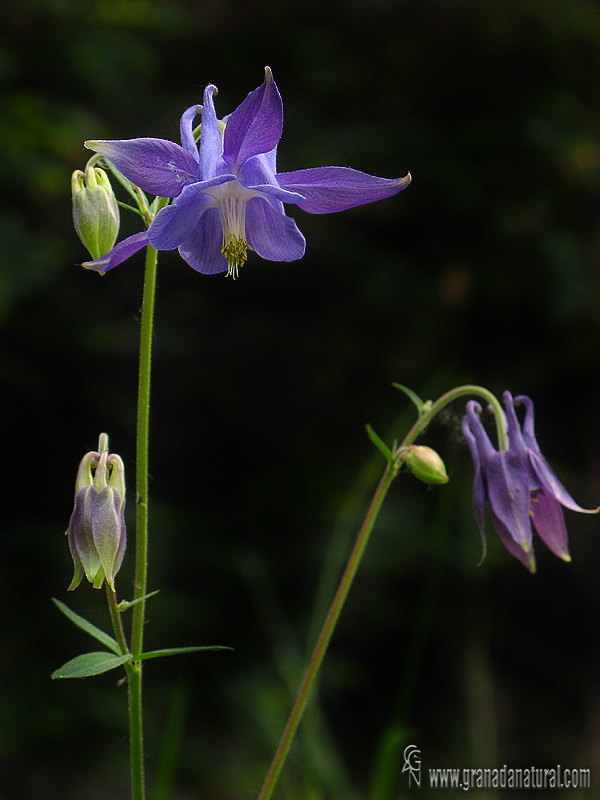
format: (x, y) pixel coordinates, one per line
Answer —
(228, 196)
(97, 536)
(518, 485)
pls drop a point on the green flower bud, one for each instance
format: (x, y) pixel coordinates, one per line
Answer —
(425, 464)
(95, 210)
(96, 530)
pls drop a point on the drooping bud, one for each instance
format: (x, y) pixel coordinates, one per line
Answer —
(95, 210)
(96, 530)
(425, 464)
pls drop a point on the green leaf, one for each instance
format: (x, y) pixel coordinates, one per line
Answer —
(414, 397)
(176, 651)
(380, 444)
(125, 604)
(130, 208)
(90, 664)
(154, 206)
(82, 623)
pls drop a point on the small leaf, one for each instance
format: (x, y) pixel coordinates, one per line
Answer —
(82, 623)
(90, 664)
(125, 604)
(380, 444)
(409, 393)
(176, 651)
(154, 206)
(130, 208)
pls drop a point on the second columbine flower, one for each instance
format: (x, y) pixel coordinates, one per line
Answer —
(518, 485)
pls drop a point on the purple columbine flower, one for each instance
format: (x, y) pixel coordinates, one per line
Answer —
(96, 532)
(228, 196)
(518, 485)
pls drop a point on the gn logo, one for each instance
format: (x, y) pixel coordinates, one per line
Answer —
(412, 764)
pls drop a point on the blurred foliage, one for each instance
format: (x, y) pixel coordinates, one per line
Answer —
(484, 270)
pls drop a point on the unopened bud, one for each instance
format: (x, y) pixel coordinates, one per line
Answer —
(96, 530)
(425, 464)
(95, 210)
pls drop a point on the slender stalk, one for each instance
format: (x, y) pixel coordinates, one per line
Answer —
(134, 682)
(447, 398)
(134, 669)
(143, 420)
(327, 631)
(115, 616)
(136, 729)
(426, 415)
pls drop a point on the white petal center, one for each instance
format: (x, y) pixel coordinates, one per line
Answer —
(231, 199)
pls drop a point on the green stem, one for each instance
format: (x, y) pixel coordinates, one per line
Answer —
(449, 397)
(115, 616)
(134, 682)
(143, 420)
(136, 729)
(134, 670)
(391, 470)
(327, 631)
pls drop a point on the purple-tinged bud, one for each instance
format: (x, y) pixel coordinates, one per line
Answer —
(95, 210)
(96, 530)
(425, 464)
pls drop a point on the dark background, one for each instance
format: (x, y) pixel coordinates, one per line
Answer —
(484, 270)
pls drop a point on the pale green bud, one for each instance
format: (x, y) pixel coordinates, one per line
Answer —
(95, 210)
(425, 464)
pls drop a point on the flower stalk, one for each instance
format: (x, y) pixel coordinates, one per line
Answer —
(115, 616)
(143, 426)
(327, 631)
(427, 411)
(134, 669)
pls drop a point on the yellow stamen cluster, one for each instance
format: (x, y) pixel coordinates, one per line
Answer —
(235, 246)
(235, 251)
